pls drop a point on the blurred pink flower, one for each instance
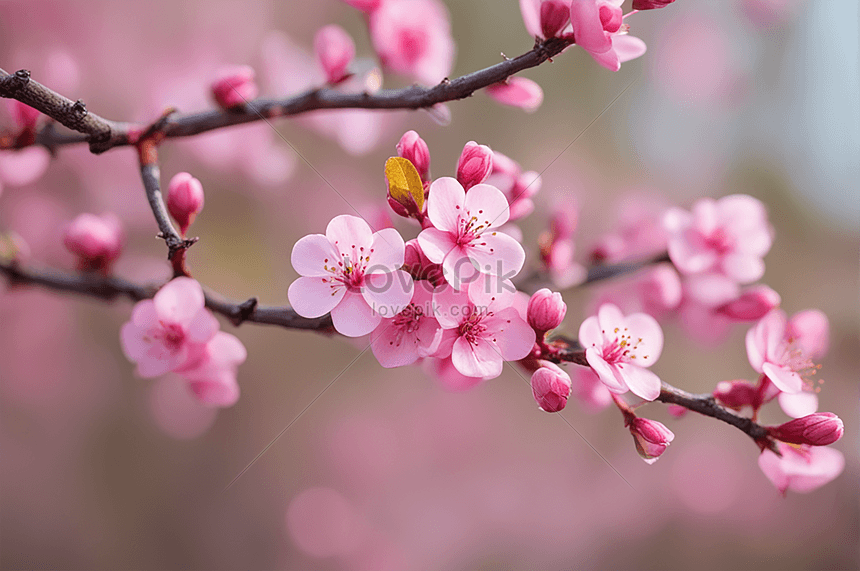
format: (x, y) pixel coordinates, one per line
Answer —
(518, 187)
(413, 38)
(592, 394)
(23, 167)
(620, 349)
(411, 334)
(463, 232)
(518, 92)
(801, 468)
(599, 29)
(334, 51)
(364, 5)
(351, 272)
(545, 18)
(97, 241)
(169, 331)
(550, 387)
(656, 291)
(234, 86)
(724, 238)
(184, 199)
(637, 229)
(323, 523)
(807, 333)
(481, 328)
(770, 351)
(212, 375)
(474, 165)
(753, 303)
(651, 438)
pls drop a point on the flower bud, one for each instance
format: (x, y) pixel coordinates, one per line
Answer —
(546, 310)
(475, 164)
(550, 387)
(416, 263)
(234, 86)
(554, 16)
(650, 4)
(364, 5)
(334, 51)
(651, 438)
(735, 394)
(818, 429)
(184, 199)
(96, 240)
(752, 304)
(413, 148)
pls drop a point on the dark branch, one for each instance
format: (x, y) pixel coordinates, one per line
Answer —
(104, 134)
(108, 288)
(607, 271)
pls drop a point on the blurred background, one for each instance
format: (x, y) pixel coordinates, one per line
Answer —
(386, 469)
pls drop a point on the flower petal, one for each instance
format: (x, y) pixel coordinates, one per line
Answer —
(445, 202)
(387, 251)
(312, 254)
(353, 317)
(392, 345)
(203, 326)
(512, 335)
(314, 297)
(452, 306)
(628, 47)
(648, 335)
(642, 382)
(348, 234)
(587, 27)
(179, 300)
(488, 205)
(798, 405)
(497, 254)
(589, 333)
(479, 360)
(436, 244)
(605, 372)
(784, 379)
(387, 294)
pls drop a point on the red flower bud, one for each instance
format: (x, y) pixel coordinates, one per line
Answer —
(475, 164)
(184, 199)
(753, 304)
(550, 387)
(554, 16)
(818, 429)
(650, 4)
(735, 394)
(546, 310)
(234, 86)
(413, 148)
(651, 438)
(97, 241)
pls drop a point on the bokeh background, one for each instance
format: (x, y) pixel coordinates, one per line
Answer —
(386, 470)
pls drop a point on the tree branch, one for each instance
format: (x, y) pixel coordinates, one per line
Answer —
(108, 288)
(103, 134)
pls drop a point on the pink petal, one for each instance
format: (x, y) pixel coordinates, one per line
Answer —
(811, 331)
(611, 320)
(825, 465)
(353, 317)
(755, 349)
(203, 326)
(452, 306)
(531, 17)
(519, 92)
(608, 59)
(642, 382)
(392, 346)
(628, 47)
(227, 349)
(589, 333)
(387, 294)
(436, 244)
(221, 391)
(445, 204)
(689, 253)
(387, 251)
(744, 268)
(497, 254)
(784, 379)
(773, 327)
(479, 360)
(458, 269)
(313, 297)
(797, 405)
(770, 464)
(19, 168)
(643, 326)
(492, 293)
(711, 289)
(346, 231)
(512, 335)
(179, 300)
(131, 340)
(488, 204)
(312, 254)
(587, 27)
(144, 314)
(428, 337)
(607, 374)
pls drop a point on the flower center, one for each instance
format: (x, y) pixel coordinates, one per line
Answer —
(472, 329)
(407, 322)
(720, 241)
(794, 359)
(170, 335)
(623, 349)
(470, 228)
(349, 272)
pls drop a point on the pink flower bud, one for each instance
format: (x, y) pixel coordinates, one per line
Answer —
(752, 304)
(96, 240)
(650, 4)
(184, 199)
(364, 5)
(550, 387)
(677, 410)
(651, 438)
(334, 50)
(546, 310)
(818, 429)
(554, 16)
(234, 86)
(413, 148)
(735, 394)
(475, 164)
(419, 266)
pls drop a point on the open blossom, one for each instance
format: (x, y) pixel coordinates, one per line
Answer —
(334, 50)
(413, 37)
(773, 352)
(801, 468)
(620, 349)
(725, 238)
(97, 241)
(545, 18)
(599, 29)
(212, 375)
(464, 236)
(411, 334)
(517, 91)
(808, 332)
(352, 272)
(482, 329)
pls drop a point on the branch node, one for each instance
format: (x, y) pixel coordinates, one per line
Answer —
(245, 309)
(80, 108)
(22, 77)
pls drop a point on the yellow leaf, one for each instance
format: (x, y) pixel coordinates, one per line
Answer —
(404, 182)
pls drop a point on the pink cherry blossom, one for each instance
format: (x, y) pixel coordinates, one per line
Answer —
(474, 165)
(449, 377)
(364, 5)
(637, 229)
(413, 37)
(808, 332)
(546, 310)
(481, 328)
(23, 167)
(234, 86)
(545, 18)
(212, 375)
(656, 291)
(620, 349)
(774, 353)
(464, 238)
(334, 50)
(725, 239)
(518, 92)
(518, 187)
(352, 272)
(801, 468)
(169, 331)
(411, 334)
(550, 387)
(599, 29)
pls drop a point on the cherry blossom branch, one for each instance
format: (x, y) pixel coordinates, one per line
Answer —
(607, 271)
(103, 134)
(108, 288)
